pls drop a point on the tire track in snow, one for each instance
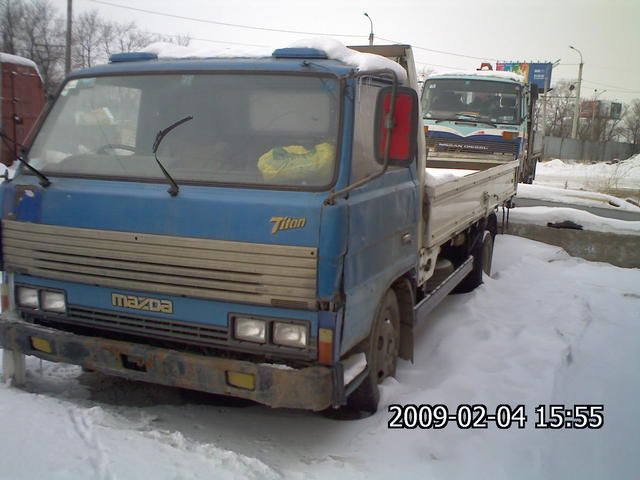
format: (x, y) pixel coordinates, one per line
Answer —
(97, 454)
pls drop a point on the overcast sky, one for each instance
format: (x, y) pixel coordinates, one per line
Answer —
(606, 31)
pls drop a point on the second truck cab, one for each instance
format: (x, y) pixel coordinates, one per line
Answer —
(483, 113)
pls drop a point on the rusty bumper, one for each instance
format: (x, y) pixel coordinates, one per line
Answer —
(310, 388)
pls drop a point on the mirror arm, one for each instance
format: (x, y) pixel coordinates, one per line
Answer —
(330, 200)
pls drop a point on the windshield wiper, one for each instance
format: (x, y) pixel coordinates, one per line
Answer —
(173, 189)
(44, 181)
(467, 120)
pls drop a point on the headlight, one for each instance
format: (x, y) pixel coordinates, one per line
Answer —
(290, 334)
(53, 301)
(250, 329)
(27, 297)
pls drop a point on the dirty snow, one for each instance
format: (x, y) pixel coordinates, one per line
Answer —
(600, 176)
(574, 197)
(589, 221)
(547, 328)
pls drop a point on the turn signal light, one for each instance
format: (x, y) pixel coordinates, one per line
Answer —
(509, 135)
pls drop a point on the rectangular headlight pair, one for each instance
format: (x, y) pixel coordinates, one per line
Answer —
(47, 300)
(282, 333)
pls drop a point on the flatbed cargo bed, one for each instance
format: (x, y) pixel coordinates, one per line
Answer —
(456, 201)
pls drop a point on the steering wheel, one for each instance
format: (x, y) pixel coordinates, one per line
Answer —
(115, 146)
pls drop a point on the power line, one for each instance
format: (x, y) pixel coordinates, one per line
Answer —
(612, 87)
(278, 30)
(204, 39)
(418, 47)
(236, 25)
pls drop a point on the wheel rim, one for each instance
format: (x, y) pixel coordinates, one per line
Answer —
(386, 349)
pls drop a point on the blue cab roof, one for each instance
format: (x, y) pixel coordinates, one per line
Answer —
(284, 60)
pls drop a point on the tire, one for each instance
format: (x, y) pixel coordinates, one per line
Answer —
(482, 259)
(381, 349)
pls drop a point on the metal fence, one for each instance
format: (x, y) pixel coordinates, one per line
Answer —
(566, 148)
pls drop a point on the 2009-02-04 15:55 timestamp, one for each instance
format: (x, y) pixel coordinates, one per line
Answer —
(465, 416)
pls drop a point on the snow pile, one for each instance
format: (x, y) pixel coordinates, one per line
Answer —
(592, 176)
(438, 176)
(574, 197)
(480, 73)
(166, 50)
(545, 329)
(360, 61)
(333, 48)
(589, 221)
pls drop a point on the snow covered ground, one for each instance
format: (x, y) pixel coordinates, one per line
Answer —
(547, 328)
(575, 197)
(589, 221)
(624, 175)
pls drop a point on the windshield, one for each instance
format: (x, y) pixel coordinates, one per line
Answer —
(246, 129)
(484, 100)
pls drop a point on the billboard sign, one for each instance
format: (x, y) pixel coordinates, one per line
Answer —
(534, 73)
(600, 109)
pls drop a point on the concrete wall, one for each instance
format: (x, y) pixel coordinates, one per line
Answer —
(566, 148)
(620, 250)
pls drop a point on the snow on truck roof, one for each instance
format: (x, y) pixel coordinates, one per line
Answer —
(497, 74)
(333, 49)
(16, 60)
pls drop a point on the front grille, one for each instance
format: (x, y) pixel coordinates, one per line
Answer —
(263, 274)
(471, 146)
(144, 327)
(174, 334)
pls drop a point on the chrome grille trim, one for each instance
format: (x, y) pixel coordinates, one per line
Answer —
(200, 268)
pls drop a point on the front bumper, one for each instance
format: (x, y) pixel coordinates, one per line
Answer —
(310, 388)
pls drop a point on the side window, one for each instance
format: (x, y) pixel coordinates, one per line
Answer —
(363, 161)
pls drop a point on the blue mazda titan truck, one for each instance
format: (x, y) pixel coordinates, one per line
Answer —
(263, 228)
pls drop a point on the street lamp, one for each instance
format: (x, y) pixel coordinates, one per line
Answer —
(576, 111)
(370, 34)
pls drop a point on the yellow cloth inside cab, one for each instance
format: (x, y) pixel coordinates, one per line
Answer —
(296, 163)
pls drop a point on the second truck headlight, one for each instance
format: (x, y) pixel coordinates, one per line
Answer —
(53, 301)
(290, 334)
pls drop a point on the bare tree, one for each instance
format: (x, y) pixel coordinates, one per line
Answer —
(11, 14)
(35, 29)
(630, 125)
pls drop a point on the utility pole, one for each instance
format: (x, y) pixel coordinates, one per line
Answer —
(576, 111)
(371, 33)
(67, 53)
(595, 105)
(544, 100)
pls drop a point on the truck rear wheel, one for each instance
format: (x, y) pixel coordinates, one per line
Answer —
(482, 259)
(381, 349)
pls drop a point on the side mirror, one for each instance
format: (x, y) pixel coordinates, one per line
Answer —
(404, 126)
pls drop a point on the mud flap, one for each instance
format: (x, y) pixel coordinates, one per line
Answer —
(14, 368)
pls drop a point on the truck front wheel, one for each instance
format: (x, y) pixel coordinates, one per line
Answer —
(381, 350)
